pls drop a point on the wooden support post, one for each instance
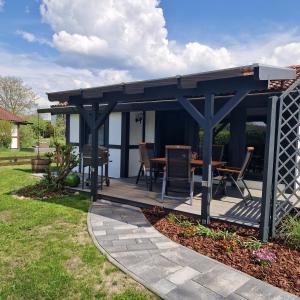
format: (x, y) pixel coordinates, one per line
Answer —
(207, 157)
(267, 194)
(94, 167)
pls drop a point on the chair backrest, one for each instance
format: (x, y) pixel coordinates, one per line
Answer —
(246, 162)
(146, 153)
(217, 152)
(178, 165)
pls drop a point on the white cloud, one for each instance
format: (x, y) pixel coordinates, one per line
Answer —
(44, 75)
(31, 38)
(112, 41)
(2, 2)
(133, 32)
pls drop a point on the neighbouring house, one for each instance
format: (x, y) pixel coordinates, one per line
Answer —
(16, 122)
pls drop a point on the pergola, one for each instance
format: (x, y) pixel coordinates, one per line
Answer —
(219, 91)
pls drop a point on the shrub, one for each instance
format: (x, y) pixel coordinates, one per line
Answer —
(66, 160)
(5, 133)
(290, 232)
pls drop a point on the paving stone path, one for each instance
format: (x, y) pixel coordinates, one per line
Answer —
(168, 269)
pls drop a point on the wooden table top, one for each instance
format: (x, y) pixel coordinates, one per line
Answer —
(195, 162)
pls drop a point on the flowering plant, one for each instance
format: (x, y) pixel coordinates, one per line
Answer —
(264, 257)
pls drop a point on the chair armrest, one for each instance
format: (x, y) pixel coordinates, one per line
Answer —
(228, 170)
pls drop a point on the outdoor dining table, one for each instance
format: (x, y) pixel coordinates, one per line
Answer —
(194, 162)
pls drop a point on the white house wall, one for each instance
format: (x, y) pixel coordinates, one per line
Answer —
(115, 127)
(14, 137)
(135, 138)
(74, 128)
(150, 127)
(114, 138)
(114, 169)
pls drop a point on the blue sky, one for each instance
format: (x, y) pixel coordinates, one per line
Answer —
(63, 44)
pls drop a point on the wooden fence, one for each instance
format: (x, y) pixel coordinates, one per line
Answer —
(16, 160)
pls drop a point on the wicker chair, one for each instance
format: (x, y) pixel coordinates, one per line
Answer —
(146, 153)
(235, 175)
(103, 160)
(178, 170)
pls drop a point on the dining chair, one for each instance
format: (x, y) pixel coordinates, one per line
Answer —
(146, 153)
(235, 175)
(178, 170)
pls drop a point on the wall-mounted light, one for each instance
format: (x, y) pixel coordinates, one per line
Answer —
(139, 117)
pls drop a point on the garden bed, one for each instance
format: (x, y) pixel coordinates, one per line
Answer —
(41, 191)
(235, 246)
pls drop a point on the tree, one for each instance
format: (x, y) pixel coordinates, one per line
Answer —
(5, 133)
(15, 96)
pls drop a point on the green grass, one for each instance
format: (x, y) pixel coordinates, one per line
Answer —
(290, 232)
(9, 152)
(46, 252)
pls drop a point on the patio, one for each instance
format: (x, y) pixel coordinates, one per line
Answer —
(230, 208)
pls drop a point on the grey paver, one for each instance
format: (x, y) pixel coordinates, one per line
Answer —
(192, 290)
(124, 242)
(183, 275)
(258, 290)
(99, 232)
(164, 286)
(222, 280)
(141, 246)
(171, 270)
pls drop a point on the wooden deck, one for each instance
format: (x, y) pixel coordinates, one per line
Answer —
(230, 208)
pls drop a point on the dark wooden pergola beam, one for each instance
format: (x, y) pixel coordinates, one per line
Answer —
(230, 105)
(193, 111)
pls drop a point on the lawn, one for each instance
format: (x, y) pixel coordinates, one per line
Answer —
(46, 252)
(9, 152)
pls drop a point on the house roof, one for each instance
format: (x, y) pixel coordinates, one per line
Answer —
(274, 86)
(282, 85)
(132, 90)
(8, 116)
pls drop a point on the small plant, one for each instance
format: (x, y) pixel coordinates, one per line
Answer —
(264, 257)
(230, 245)
(290, 232)
(204, 231)
(225, 235)
(252, 243)
(189, 232)
(172, 218)
(185, 223)
(179, 220)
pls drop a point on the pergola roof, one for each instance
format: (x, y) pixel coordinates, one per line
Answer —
(255, 72)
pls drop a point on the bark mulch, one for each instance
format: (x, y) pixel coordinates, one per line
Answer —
(41, 191)
(284, 272)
